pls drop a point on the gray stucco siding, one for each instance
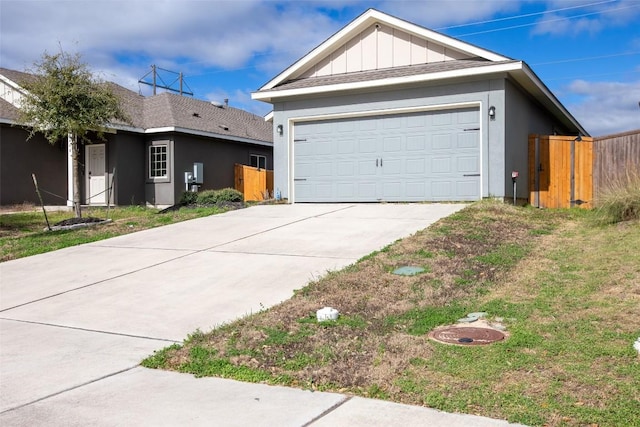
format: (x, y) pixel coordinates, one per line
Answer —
(525, 117)
(20, 158)
(480, 93)
(126, 153)
(218, 158)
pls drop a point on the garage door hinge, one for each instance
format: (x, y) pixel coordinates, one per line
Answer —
(299, 140)
(470, 129)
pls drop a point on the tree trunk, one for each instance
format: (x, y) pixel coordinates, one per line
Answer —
(75, 153)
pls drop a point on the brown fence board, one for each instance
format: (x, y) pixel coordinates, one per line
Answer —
(551, 163)
(617, 159)
(255, 184)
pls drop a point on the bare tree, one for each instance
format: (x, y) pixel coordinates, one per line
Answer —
(65, 100)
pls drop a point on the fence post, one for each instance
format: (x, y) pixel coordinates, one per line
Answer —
(35, 182)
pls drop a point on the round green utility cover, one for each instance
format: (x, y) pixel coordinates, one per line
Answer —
(408, 271)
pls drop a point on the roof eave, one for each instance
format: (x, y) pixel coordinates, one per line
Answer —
(234, 138)
(269, 96)
(518, 70)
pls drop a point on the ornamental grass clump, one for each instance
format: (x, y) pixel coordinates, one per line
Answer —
(620, 199)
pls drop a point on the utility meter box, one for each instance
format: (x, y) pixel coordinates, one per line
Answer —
(198, 173)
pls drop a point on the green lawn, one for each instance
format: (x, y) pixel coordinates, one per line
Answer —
(24, 233)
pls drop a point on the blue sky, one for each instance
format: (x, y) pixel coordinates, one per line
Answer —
(587, 52)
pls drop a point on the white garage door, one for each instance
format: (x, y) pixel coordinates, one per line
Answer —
(426, 156)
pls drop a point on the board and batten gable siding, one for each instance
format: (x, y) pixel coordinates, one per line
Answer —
(378, 47)
(462, 93)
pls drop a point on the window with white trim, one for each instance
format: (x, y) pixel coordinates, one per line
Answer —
(258, 161)
(158, 161)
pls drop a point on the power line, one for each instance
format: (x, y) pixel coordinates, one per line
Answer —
(546, 21)
(526, 15)
(563, 61)
(591, 75)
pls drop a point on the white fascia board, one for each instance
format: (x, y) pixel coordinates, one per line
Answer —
(269, 116)
(208, 134)
(362, 22)
(489, 69)
(12, 83)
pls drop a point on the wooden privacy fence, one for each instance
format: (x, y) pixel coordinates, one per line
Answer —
(256, 184)
(560, 171)
(617, 159)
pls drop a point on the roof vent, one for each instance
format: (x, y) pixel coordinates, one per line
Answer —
(223, 127)
(196, 115)
(217, 104)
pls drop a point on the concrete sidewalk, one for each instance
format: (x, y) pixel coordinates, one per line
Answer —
(75, 323)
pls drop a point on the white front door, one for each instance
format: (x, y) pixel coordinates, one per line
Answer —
(96, 179)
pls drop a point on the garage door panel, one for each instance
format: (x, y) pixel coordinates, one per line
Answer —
(415, 190)
(346, 189)
(404, 157)
(416, 166)
(441, 165)
(441, 189)
(441, 142)
(392, 144)
(324, 169)
(466, 190)
(467, 164)
(392, 168)
(468, 116)
(392, 122)
(416, 142)
(367, 191)
(367, 145)
(467, 140)
(346, 147)
(367, 168)
(392, 190)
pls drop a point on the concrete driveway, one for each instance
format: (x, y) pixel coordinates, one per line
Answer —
(75, 323)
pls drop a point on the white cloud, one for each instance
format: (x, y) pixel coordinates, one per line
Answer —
(591, 19)
(438, 13)
(605, 108)
(172, 34)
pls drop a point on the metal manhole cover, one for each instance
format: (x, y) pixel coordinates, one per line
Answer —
(466, 335)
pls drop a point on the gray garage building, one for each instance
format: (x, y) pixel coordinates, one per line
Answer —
(385, 110)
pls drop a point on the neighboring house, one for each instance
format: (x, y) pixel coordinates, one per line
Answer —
(145, 161)
(385, 110)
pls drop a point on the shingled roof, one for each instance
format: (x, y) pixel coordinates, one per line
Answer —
(387, 73)
(168, 111)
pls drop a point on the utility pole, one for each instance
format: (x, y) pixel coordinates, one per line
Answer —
(164, 85)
